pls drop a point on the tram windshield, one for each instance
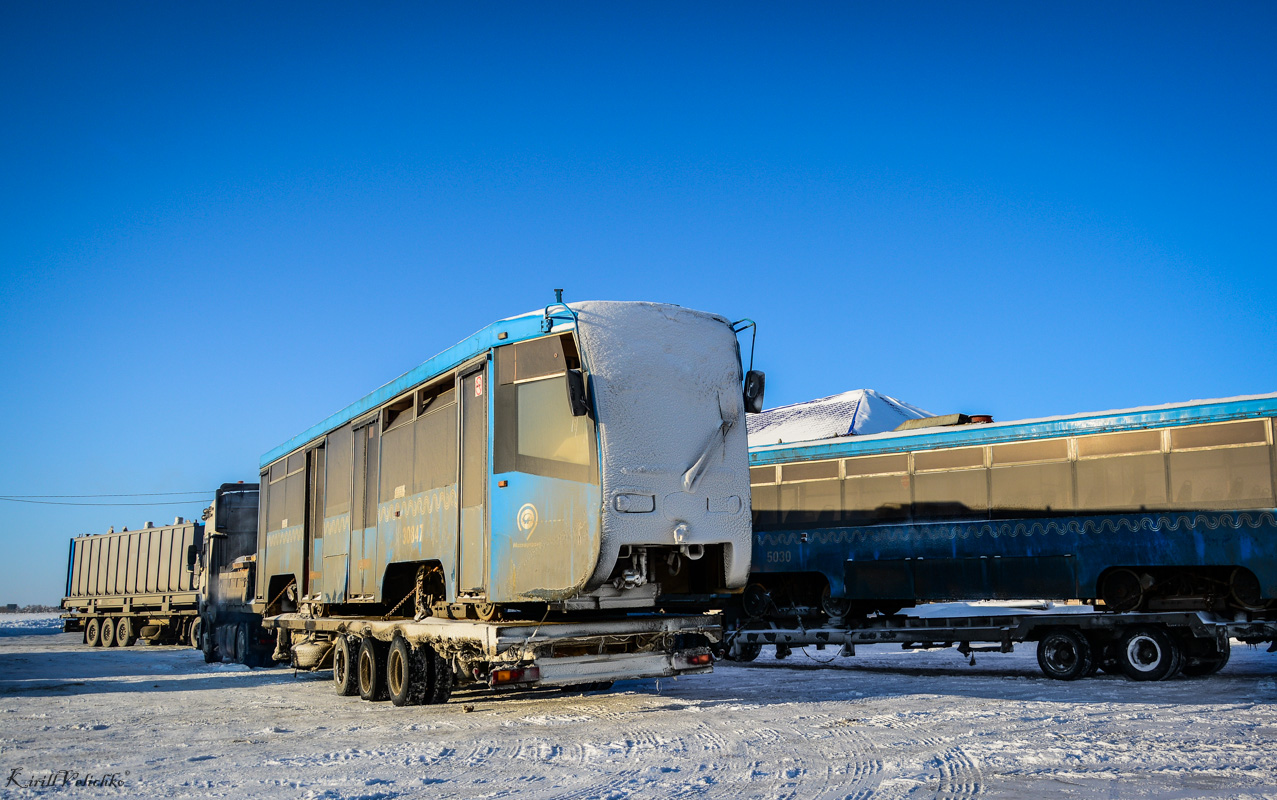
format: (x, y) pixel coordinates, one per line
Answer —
(536, 432)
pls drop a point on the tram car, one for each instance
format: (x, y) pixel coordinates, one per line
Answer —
(588, 457)
(1167, 508)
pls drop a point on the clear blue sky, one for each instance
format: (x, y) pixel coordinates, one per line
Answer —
(220, 223)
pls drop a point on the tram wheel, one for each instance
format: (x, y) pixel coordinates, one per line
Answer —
(1149, 653)
(1122, 590)
(756, 600)
(834, 607)
(1065, 655)
(1244, 590)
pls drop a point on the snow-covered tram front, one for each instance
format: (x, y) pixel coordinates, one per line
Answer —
(634, 488)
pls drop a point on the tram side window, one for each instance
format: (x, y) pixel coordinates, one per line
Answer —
(535, 430)
(812, 502)
(286, 493)
(396, 463)
(435, 432)
(337, 465)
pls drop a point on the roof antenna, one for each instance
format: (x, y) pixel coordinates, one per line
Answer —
(558, 295)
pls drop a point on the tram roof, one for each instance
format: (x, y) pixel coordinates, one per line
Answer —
(517, 328)
(1170, 414)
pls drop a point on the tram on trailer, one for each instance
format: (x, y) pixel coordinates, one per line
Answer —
(587, 457)
(1160, 508)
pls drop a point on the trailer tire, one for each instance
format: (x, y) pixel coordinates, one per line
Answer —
(345, 666)
(372, 669)
(438, 676)
(125, 632)
(745, 652)
(407, 675)
(1209, 662)
(1065, 655)
(196, 631)
(1149, 653)
(108, 632)
(93, 632)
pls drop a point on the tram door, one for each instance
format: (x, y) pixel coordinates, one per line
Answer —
(363, 513)
(314, 547)
(472, 553)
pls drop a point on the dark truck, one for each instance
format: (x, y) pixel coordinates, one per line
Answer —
(227, 627)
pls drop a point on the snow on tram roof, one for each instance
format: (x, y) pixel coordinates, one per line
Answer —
(860, 412)
(1168, 414)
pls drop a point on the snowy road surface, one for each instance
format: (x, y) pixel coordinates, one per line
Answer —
(883, 724)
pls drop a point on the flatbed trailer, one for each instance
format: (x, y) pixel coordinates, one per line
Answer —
(1071, 645)
(440, 653)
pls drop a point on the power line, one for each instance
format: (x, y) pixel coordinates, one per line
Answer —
(61, 503)
(139, 494)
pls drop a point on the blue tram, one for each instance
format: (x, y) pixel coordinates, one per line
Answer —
(1156, 509)
(589, 456)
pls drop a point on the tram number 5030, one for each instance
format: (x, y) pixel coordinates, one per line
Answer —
(779, 556)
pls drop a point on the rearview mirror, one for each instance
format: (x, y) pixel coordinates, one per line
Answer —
(755, 380)
(577, 400)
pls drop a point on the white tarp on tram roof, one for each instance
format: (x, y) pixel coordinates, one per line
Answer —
(859, 412)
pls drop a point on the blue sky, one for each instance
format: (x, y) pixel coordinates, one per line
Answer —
(222, 222)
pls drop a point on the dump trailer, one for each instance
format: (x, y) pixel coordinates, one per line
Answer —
(125, 585)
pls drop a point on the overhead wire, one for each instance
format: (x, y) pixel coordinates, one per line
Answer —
(57, 503)
(136, 494)
(60, 499)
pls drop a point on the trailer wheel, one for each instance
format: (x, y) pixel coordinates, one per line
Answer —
(125, 632)
(372, 669)
(1065, 655)
(93, 632)
(438, 676)
(197, 629)
(210, 644)
(745, 652)
(1149, 654)
(1206, 658)
(108, 632)
(407, 676)
(345, 666)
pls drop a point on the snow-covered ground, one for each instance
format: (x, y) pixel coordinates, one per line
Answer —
(884, 724)
(28, 624)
